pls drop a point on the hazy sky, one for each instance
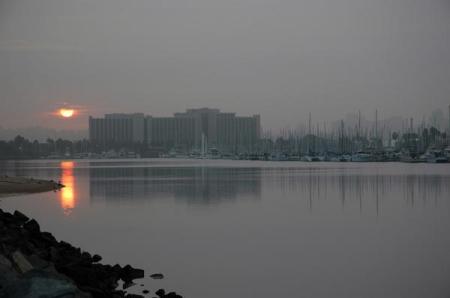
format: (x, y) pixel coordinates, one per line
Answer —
(281, 59)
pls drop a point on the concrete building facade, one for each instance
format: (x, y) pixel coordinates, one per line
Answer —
(117, 128)
(184, 131)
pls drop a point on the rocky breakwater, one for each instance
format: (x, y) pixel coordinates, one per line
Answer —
(35, 264)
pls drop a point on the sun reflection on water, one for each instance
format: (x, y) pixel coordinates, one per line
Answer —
(67, 194)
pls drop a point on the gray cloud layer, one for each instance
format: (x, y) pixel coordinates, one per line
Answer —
(282, 59)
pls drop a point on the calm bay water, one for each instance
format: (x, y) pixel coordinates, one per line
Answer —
(221, 229)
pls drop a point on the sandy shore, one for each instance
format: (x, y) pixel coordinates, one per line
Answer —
(11, 185)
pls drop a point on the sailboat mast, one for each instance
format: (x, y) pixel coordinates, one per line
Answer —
(342, 136)
(359, 124)
(309, 134)
(376, 124)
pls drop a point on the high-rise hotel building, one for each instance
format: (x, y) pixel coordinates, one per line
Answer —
(184, 131)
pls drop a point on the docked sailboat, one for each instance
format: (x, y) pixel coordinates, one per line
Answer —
(362, 157)
(435, 156)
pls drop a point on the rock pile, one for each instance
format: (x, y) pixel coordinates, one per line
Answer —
(35, 264)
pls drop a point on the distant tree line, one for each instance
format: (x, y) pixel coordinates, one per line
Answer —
(22, 148)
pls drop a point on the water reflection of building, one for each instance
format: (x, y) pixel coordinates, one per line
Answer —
(367, 191)
(346, 189)
(67, 193)
(203, 185)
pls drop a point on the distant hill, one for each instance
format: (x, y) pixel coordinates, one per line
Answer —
(42, 133)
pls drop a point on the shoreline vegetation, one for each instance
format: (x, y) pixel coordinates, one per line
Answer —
(34, 264)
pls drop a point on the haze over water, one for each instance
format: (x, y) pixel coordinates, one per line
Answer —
(255, 229)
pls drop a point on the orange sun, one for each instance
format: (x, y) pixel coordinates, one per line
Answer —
(66, 113)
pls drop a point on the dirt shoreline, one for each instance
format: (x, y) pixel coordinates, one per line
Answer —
(17, 185)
